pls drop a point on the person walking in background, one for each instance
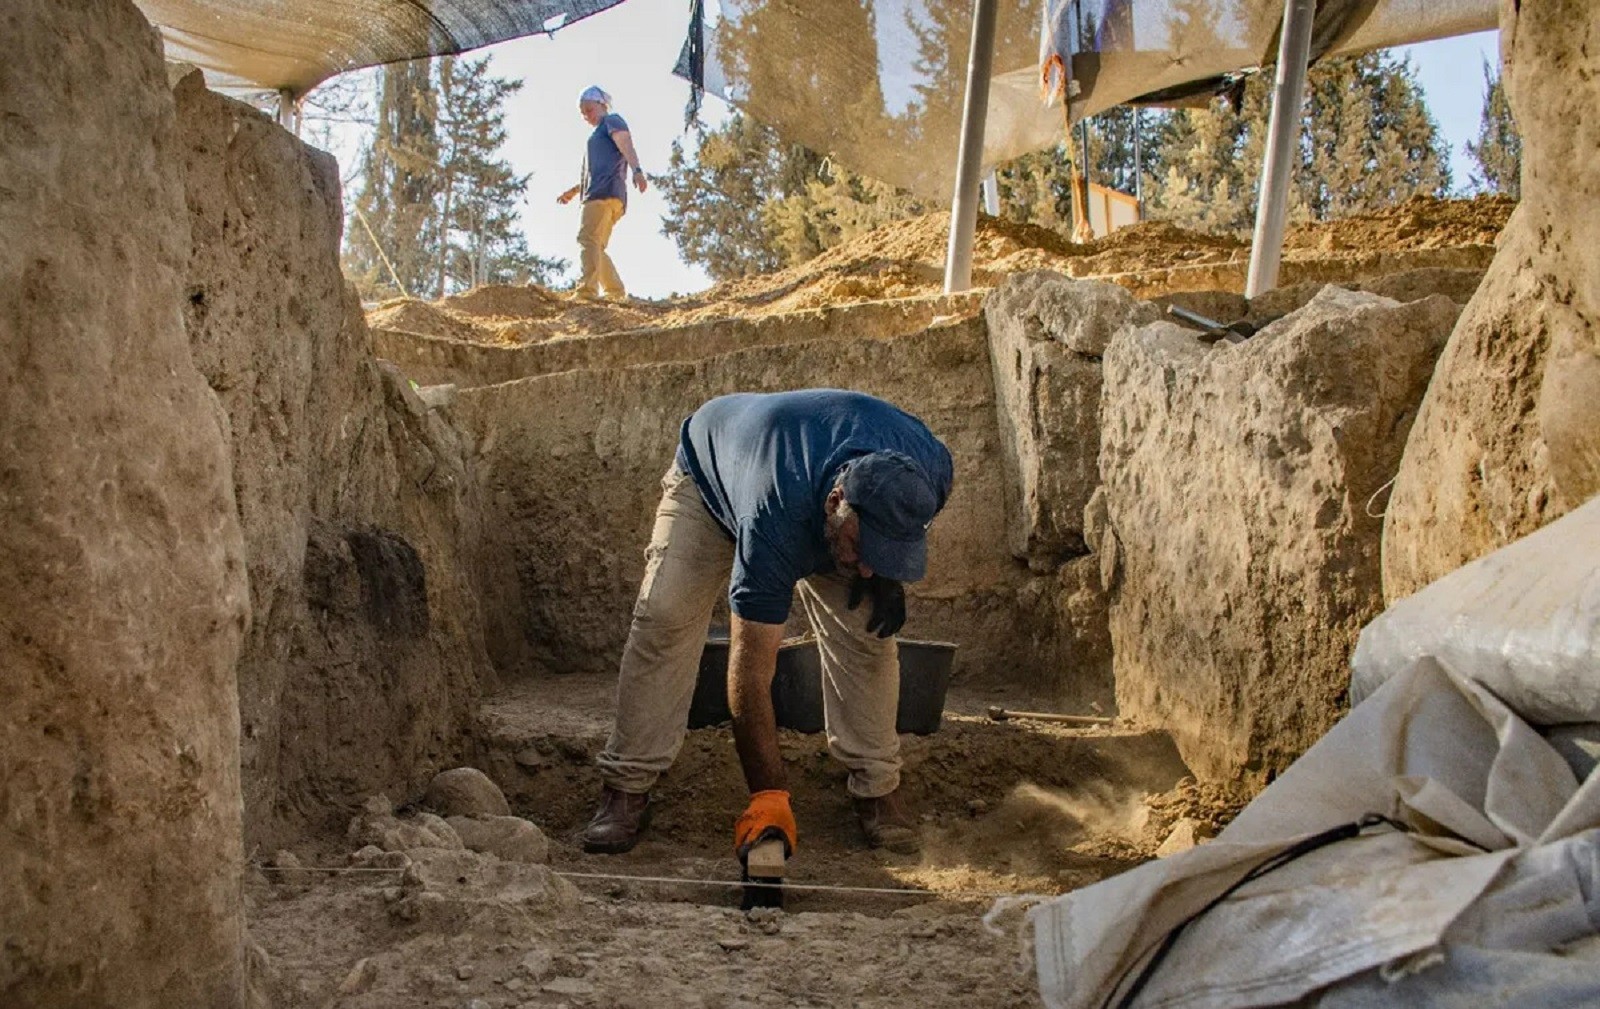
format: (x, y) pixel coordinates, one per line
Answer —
(604, 188)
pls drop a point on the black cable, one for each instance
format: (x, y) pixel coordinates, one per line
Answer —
(1343, 832)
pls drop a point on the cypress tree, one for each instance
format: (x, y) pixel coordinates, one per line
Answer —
(1498, 149)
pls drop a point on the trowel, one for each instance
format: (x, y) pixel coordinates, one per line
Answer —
(764, 869)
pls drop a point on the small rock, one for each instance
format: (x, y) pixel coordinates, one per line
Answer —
(1185, 835)
(465, 791)
(513, 984)
(439, 829)
(378, 805)
(569, 986)
(509, 838)
(360, 978)
(530, 758)
(733, 945)
(436, 396)
(374, 857)
(537, 965)
(567, 965)
(977, 807)
(478, 1003)
(286, 869)
(466, 972)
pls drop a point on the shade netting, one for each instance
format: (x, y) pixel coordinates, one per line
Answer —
(298, 44)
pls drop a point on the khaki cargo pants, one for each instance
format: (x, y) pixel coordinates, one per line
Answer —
(686, 569)
(594, 234)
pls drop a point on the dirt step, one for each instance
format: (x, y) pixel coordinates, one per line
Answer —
(1007, 807)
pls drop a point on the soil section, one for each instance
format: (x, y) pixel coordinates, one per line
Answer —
(905, 260)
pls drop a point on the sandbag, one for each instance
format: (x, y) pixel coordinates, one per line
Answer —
(1523, 621)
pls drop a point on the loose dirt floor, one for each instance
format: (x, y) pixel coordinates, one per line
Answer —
(905, 259)
(1007, 808)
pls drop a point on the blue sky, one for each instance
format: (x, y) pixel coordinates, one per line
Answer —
(630, 51)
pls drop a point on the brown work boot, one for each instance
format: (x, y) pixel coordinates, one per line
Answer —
(618, 822)
(888, 824)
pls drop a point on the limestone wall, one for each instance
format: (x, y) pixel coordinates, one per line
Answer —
(1233, 528)
(360, 516)
(1508, 438)
(572, 462)
(122, 584)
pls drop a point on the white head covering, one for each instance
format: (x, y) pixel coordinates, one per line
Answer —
(594, 93)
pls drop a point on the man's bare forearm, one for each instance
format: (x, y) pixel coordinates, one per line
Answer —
(752, 662)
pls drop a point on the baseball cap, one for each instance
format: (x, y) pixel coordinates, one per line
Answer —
(896, 502)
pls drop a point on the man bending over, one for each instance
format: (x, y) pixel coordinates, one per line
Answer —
(826, 490)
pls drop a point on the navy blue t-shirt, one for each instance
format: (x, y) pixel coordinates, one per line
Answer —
(765, 462)
(605, 170)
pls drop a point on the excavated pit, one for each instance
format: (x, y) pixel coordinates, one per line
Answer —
(443, 580)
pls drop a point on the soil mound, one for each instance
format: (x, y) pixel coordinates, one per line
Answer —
(905, 259)
(504, 301)
(1421, 222)
(408, 315)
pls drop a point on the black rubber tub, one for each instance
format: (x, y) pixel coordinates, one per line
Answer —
(925, 668)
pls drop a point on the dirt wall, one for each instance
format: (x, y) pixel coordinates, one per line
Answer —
(1233, 529)
(1509, 436)
(572, 462)
(438, 354)
(365, 654)
(122, 592)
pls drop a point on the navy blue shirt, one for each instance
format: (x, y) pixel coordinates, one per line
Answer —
(605, 170)
(765, 462)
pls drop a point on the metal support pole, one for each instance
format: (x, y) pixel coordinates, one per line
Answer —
(969, 167)
(991, 194)
(1283, 135)
(288, 114)
(1138, 159)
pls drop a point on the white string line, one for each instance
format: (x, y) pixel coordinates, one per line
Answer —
(1386, 485)
(962, 895)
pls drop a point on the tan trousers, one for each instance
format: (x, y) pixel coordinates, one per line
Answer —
(686, 568)
(594, 233)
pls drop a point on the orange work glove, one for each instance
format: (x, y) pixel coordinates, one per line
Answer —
(768, 811)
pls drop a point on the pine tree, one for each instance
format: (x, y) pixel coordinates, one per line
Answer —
(1206, 165)
(714, 194)
(1498, 149)
(437, 206)
(1369, 140)
(393, 248)
(481, 241)
(743, 201)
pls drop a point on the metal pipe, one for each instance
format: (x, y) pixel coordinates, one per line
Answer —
(288, 114)
(1138, 159)
(969, 167)
(1283, 135)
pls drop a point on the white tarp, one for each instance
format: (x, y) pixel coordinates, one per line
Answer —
(1384, 919)
(1524, 621)
(1491, 893)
